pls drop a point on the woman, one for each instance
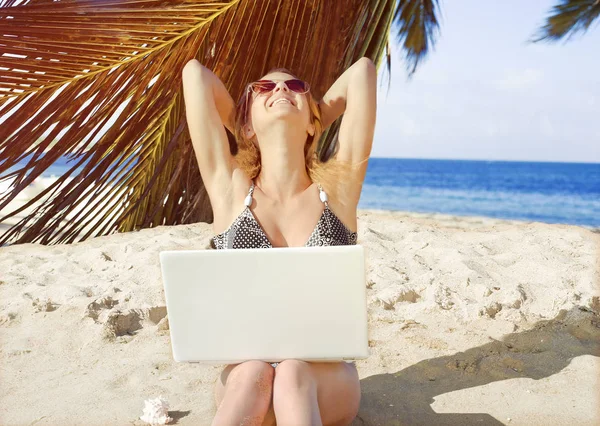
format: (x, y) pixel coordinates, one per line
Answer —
(281, 190)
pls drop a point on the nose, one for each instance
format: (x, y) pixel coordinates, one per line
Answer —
(280, 86)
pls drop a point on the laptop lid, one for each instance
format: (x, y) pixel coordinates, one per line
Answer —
(230, 306)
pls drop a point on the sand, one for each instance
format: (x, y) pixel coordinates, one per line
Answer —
(471, 321)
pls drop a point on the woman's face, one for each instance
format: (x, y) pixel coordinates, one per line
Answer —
(280, 104)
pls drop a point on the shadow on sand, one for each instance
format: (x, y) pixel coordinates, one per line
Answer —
(537, 353)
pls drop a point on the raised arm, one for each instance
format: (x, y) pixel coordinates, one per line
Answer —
(353, 94)
(208, 108)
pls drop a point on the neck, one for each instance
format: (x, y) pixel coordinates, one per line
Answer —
(283, 168)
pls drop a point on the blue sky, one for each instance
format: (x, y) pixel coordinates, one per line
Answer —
(487, 93)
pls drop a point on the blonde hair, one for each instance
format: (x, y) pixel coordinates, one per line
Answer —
(330, 174)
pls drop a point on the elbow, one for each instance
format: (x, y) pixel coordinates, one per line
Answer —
(366, 71)
(195, 74)
(194, 69)
(367, 63)
(192, 66)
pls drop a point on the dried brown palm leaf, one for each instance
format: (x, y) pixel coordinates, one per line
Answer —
(99, 81)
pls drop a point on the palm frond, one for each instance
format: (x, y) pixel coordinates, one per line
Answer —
(568, 18)
(417, 26)
(83, 61)
(99, 82)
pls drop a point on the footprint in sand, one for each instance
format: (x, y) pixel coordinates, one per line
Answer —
(8, 318)
(43, 305)
(120, 322)
(95, 308)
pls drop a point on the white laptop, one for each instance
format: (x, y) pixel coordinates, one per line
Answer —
(231, 306)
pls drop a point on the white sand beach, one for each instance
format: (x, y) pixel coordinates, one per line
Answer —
(471, 321)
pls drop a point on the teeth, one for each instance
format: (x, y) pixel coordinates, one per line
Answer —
(281, 100)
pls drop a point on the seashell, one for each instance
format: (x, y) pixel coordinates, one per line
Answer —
(156, 411)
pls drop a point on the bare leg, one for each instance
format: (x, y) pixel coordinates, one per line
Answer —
(243, 394)
(295, 395)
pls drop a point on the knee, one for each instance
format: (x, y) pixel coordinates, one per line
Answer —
(251, 379)
(293, 373)
(254, 374)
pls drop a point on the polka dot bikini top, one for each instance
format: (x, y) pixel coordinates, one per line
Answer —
(246, 232)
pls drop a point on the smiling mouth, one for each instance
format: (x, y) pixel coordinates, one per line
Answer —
(282, 101)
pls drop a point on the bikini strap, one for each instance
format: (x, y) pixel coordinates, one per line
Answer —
(248, 200)
(323, 195)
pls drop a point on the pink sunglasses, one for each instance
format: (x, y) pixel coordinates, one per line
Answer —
(262, 87)
(265, 86)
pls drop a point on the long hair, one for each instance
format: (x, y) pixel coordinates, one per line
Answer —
(329, 174)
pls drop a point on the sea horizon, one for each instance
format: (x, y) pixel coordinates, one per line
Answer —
(544, 191)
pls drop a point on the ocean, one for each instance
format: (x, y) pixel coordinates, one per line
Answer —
(532, 191)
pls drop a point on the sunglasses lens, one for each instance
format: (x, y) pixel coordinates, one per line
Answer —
(265, 86)
(262, 87)
(297, 86)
